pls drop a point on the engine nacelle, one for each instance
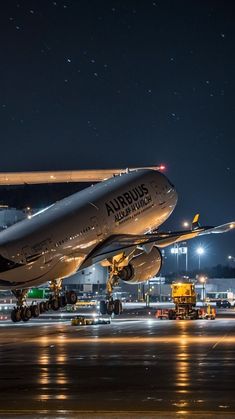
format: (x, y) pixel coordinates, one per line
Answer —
(142, 267)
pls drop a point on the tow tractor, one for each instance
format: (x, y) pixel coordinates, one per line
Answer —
(89, 320)
(184, 298)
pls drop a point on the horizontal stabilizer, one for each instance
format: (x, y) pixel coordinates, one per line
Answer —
(224, 228)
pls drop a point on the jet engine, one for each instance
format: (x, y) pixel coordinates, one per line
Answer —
(142, 267)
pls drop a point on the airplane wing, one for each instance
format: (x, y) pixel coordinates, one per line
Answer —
(117, 244)
(65, 176)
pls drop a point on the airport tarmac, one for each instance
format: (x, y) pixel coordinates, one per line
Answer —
(135, 367)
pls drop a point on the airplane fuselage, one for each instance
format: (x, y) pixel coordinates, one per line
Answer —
(55, 242)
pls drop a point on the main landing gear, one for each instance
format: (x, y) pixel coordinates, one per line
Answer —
(111, 306)
(24, 312)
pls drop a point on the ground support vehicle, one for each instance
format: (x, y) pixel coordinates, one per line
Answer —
(207, 312)
(85, 321)
(184, 298)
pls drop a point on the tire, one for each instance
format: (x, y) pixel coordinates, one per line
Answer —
(103, 307)
(55, 304)
(196, 315)
(35, 310)
(63, 301)
(46, 305)
(13, 317)
(16, 315)
(71, 297)
(117, 308)
(42, 307)
(170, 314)
(110, 308)
(26, 314)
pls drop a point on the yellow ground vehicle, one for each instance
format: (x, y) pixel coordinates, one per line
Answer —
(86, 302)
(184, 298)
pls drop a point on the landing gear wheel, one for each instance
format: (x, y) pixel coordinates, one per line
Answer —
(35, 310)
(46, 305)
(13, 316)
(42, 307)
(62, 301)
(19, 312)
(55, 304)
(103, 307)
(117, 307)
(25, 314)
(71, 297)
(16, 315)
(110, 307)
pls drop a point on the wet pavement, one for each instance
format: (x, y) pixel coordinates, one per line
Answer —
(142, 367)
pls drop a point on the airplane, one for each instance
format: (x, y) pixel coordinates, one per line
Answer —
(114, 222)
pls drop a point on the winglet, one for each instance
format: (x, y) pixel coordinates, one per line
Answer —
(195, 223)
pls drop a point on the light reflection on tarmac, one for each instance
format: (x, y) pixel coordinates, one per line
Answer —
(141, 366)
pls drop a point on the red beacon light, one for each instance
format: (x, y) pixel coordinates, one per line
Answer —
(162, 167)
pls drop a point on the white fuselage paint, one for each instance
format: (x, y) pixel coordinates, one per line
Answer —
(54, 243)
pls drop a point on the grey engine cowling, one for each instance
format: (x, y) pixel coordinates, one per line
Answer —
(142, 267)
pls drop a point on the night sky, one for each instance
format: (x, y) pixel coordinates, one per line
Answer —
(100, 84)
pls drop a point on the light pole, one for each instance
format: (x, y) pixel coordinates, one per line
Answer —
(184, 250)
(186, 225)
(200, 251)
(177, 251)
(203, 279)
